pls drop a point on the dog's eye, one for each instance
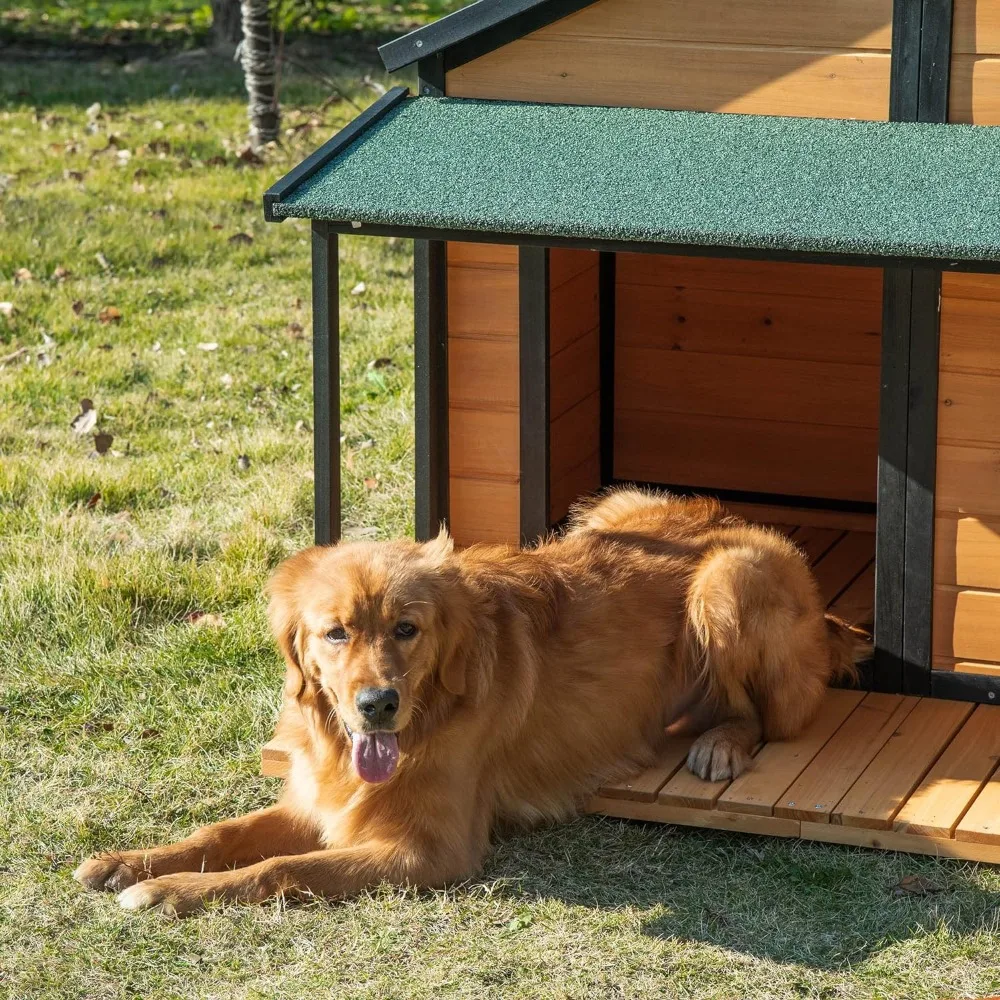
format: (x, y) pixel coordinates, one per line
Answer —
(406, 630)
(338, 634)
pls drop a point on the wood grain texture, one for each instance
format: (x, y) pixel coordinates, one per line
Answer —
(974, 90)
(484, 510)
(688, 791)
(804, 517)
(275, 761)
(856, 605)
(680, 75)
(816, 542)
(843, 563)
(574, 308)
(643, 787)
(981, 824)
(815, 793)
(574, 484)
(942, 798)
(969, 408)
(968, 480)
(482, 301)
(965, 666)
(755, 455)
(777, 765)
(970, 333)
(483, 373)
(724, 385)
(575, 434)
(483, 443)
(889, 840)
(706, 819)
(967, 551)
(575, 374)
(567, 263)
(500, 255)
(975, 26)
(966, 624)
(885, 784)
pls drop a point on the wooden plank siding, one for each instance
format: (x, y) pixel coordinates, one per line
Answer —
(782, 57)
(974, 90)
(967, 492)
(748, 375)
(483, 392)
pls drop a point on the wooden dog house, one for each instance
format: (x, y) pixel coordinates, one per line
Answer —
(734, 247)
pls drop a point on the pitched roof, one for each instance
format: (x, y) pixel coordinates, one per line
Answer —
(610, 177)
(475, 30)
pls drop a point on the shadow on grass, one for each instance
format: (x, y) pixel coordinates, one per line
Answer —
(818, 905)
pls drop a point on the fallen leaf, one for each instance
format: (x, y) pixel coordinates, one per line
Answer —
(95, 499)
(102, 442)
(110, 314)
(92, 727)
(104, 347)
(243, 463)
(210, 346)
(78, 306)
(202, 618)
(381, 363)
(915, 885)
(218, 225)
(22, 276)
(240, 239)
(7, 309)
(370, 483)
(359, 289)
(85, 420)
(294, 330)
(61, 273)
(149, 734)
(248, 155)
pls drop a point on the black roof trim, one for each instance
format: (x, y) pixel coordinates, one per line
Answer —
(476, 30)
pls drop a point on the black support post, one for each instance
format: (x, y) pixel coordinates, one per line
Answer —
(326, 384)
(430, 299)
(606, 280)
(533, 339)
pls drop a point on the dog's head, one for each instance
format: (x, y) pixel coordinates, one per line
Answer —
(370, 632)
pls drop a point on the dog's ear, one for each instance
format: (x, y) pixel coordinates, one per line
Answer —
(469, 654)
(284, 611)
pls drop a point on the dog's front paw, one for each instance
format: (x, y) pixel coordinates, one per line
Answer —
(173, 895)
(717, 758)
(113, 871)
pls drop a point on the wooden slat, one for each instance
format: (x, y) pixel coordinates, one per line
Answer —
(724, 385)
(689, 791)
(981, 824)
(483, 443)
(726, 453)
(889, 840)
(565, 264)
(573, 484)
(857, 604)
(816, 542)
(483, 372)
(967, 551)
(482, 302)
(655, 74)
(804, 516)
(575, 374)
(574, 309)
(969, 408)
(970, 285)
(760, 323)
(944, 795)
(975, 26)
(969, 331)
(575, 434)
(777, 765)
(965, 666)
(643, 787)
(843, 563)
(484, 510)
(749, 277)
(865, 24)
(966, 624)
(886, 783)
(275, 761)
(706, 819)
(502, 255)
(816, 792)
(968, 480)
(974, 91)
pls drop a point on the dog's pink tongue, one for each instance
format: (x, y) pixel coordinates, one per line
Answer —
(374, 755)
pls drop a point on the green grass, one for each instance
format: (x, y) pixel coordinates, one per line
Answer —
(122, 724)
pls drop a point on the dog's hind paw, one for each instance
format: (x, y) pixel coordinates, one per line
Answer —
(717, 757)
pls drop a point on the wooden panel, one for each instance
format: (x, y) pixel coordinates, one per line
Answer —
(975, 26)
(484, 511)
(691, 792)
(483, 373)
(816, 792)
(656, 74)
(805, 516)
(565, 264)
(643, 787)
(876, 797)
(482, 302)
(970, 334)
(825, 281)
(756, 455)
(974, 92)
(761, 323)
(969, 285)
(574, 435)
(857, 604)
(968, 480)
(864, 24)
(777, 765)
(888, 840)
(981, 824)
(969, 408)
(816, 542)
(965, 666)
(966, 624)
(483, 443)
(502, 255)
(967, 551)
(573, 484)
(843, 563)
(274, 760)
(575, 374)
(724, 385)
(706, 819)
(942, 798)
(574, 309)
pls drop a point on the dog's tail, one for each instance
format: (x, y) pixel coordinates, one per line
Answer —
(849, 646)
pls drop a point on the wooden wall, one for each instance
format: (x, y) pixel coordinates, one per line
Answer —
(483, 392)
(814, 58)
(748, 375)
(967, 515)
(974, 95)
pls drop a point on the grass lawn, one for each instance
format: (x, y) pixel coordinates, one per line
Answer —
(137, 678)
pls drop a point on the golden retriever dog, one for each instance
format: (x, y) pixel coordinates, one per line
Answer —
(432, 694)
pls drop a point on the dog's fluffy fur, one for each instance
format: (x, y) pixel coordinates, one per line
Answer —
(533, 676)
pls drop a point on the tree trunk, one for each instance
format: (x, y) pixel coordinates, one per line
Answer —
(227, 24)
(257, 58)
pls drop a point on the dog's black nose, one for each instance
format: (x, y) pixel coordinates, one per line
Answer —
(378, 705)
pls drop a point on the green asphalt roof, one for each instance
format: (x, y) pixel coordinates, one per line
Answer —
(884, 189)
